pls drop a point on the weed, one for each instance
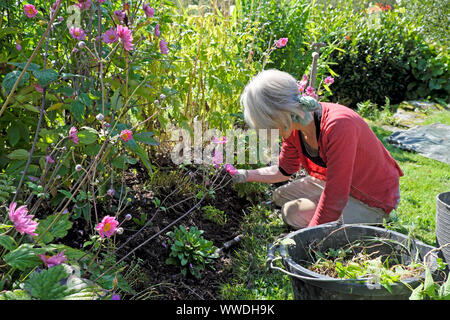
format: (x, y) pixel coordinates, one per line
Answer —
(215, 215)
(190, 250)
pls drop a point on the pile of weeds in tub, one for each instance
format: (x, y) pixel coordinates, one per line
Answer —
(379, 261)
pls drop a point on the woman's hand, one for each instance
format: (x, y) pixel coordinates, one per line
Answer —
(240, 176)
(265, 175)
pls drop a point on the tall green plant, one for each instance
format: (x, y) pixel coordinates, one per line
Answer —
(274, 20)
(212, 67)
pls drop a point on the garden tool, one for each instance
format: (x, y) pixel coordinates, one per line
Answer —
(315, 55)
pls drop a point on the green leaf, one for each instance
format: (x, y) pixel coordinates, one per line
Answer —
(87, 135)
(146, 137)
(10, 79)
(17, 294)
(45, 77)
(66, 193)
(21, 65)
(58, 230)
(144, 158)
(25, 256)
(78, 110)
(82, 289)
(19, 154)
(131, 144)
(444, 291)
(45, 285)
(85, 99)
(7, 242)
(429, 285)
(67, 91)
(116, 101)
(14, 134)
(119, 162)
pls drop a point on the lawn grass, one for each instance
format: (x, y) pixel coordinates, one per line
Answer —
(251, 279)
(424, 178)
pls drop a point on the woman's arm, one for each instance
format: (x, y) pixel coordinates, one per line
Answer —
(266, 175)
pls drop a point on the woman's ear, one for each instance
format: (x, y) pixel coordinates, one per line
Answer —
(295, 118)
(298, 116)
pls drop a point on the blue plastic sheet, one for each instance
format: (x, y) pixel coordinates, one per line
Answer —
(432, 141)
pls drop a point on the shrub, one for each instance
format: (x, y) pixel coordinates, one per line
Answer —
(382, 54)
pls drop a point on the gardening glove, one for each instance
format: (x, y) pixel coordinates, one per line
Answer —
(240, 176)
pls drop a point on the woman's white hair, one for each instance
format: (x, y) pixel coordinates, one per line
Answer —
(269, 100)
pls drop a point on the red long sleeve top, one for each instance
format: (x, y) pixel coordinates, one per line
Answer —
(356, 163)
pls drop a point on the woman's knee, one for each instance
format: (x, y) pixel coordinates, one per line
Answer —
(298, 213)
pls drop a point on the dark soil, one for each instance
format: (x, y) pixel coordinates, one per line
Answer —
(166, 281)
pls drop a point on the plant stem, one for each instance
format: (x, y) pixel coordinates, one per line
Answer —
(41, 116)
(16, 84)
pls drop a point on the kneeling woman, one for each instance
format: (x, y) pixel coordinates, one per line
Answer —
(351, 176)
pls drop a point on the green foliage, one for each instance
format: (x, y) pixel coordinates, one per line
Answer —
(57, 226)
(371, 111)
(254, 192)
(382, 53)
(6, 187)
(190, 250)
(24, 257)
(432, 16)
(250, 278)
(215, 215)
(45, 285)
(431, 290)
(343, 263)
(271, 20)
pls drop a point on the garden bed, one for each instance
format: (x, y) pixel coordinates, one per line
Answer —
(157, 279)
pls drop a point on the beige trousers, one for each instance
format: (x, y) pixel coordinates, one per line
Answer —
(298, 201)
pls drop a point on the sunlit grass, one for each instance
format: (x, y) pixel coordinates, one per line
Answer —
(423, 180)
(251, 279)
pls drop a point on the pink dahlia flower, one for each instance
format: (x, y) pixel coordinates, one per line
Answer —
(107, 226)
(310, 91)
(83, 5)
(126, 135)
(77, 33)
(281, 42)
(163, 47)
(110, 36)
(51, 261)
(217, 158)
(22, 220)
(120, 15)
(125, 36)
(329, 80)
(302, 85)
(49, 159)
(30, 10)
(149, 11)
(73, 135)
